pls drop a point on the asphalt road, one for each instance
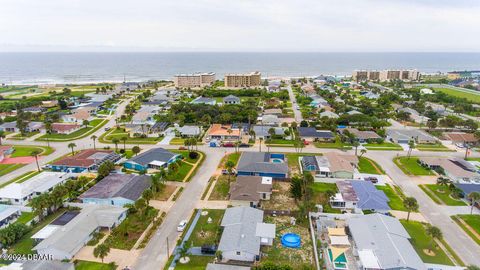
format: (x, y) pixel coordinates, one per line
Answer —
(297, 113)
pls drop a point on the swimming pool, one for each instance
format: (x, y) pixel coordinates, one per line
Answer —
(291, 240)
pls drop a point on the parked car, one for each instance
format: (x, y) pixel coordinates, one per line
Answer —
(209, 249)
(107, 129)
(225, 172)
(244, 145)
(182, 148)
(372, 179)
(228, 145)
(181, 226)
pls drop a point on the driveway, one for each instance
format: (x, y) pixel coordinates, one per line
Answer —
(166, 140)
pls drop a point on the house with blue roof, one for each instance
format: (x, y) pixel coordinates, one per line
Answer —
(362, 195)
(263, 164)
(156, 158)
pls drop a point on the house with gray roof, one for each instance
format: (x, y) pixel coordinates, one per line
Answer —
(312, 134)
(250, 190)
(383, 243)
(369, 197)
(39, 265)
(204, 100)
(117, 189)
(404, 136)
(328, 114)
(155, 158)
(231, 99)
(243, 234)
(70, 238)
(221, 266)
(185, 131)
(263, 164)
(263, 132)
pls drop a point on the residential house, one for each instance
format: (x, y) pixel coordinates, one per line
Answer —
(358, 194)
(311, 134)
(39, 265)
(78, 116)
(331, 164)
(318, 101)
(328, 114)
(438, 108)
(274, 111)
(263, 132)
(67, 241)
(35, 109)
(185, 131)
(250, 190)
(460, 138)
(204, 100)
(383, 243)
(65, 128)
(458, 170)
(20, 193)
(94, 97)
(362, 136)
(223, 133)
(155, 158)
(5, 150)
(370, 95)
(231, 99)
(274, 86)
(243, 234)
(269, 120)
(404, 136)
(31, 127)
(8, 215)
(145, 115)
(414, 115)
(352, 112)
(49, 103)
(262, 164)
(85, 160)
(117, 189)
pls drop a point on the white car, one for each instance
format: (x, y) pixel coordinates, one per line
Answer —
(181, 226)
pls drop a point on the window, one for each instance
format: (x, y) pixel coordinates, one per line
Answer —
(238, 253)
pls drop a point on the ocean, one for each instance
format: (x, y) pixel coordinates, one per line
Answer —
(49, 68)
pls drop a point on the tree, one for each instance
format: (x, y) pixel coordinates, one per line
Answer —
(435, 233)
(136, 150)
(260, 143)
(356, 144)
(474, 198)
(411, 204)
(443, 182)
(105, 168)
(141, 205)
(229, 165)
(363, 152)
(411, 146)
(71, 146)
(35, 154)
(101, 251)
(85, 123)
(431, 124)
(296, 188)
(124, 140)
(147, 195)
(2, 136)
(93, 139)
(116, 141)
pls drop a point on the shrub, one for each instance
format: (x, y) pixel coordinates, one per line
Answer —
(193, 155)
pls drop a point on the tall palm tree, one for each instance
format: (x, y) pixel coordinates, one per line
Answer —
(229, 165)
(124, 140)
(443, 182)
(93, 139)
(411, 204)
(434, 233)
(474, 198)
(411, 146)
(71, 146)
(116, 141)
(101, 251)
(35, 154)
(363, 152)
(260, 139)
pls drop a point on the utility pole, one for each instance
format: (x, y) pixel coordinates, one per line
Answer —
(168, 249)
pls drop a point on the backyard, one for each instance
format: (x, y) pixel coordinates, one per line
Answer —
(320, 195)
(222, 188)
(280, 198)
(410, 166)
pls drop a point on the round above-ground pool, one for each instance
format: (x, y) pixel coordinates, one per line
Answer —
(291, 240)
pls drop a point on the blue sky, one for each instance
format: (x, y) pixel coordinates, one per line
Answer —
(242, 25)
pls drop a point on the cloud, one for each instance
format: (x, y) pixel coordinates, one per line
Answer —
(247, 25)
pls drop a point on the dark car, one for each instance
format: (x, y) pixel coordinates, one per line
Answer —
(228, 145)
(209, 249)
(372, 179)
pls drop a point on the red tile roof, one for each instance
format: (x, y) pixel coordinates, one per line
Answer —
(81, 159)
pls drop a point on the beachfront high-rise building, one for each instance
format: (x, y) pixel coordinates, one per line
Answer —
(194, 80)
(386, 75)
(252, 79)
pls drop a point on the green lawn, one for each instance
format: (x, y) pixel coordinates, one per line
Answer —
(293, 162)
(87, 265)
(185, 154)
(443, 193)
(396, 201)
(207, 233)
(221, 188)
(195, 263)
(19, 136)
(279, 143)
(119, 133)
(8, 168)
(177, 141)
(25, 217)
(421, 241)
(433, 147)
(383, 146)
(181, 173)
(461, 94)
(473, 221)
(338, 144)
(94, 125)
(319, 195)
(365, 166)
(234, 157)
(411, 166)
(26, 150)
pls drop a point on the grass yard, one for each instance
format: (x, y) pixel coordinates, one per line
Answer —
(19, 136)
(396, 200)
(195, 263)
(366, 165)
(411, 166)
(87, 265)
(338, 144)
(472, 227)
(294, 163)
(320, 197)
(181, 173)
(177, 141)
(279, 143)
(221, 188)
(25, 150)
(94, 125)
(25, 217)
(207, 233)
(8, 168)
(25, 245)
(460, 94)
(166, 192)
(119, 133)
(383, 146)
(443, 194)
(433, 147)
(230, 157)
(185, 154)
(129, 231)
(422, 243)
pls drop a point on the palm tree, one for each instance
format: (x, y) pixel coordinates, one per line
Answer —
(2, 136)
(443, 182)
(136, 150)
(85, 123)
(363, 152)
(229, 165)
(147, 195)
(35, 154)
(411, 146)
(474, 198)
(94, 138)
(101, 251)
(411, 204)
(434, 233)
(116, 141)
(356, 144)
(124, 140)
(260, 139)
(71, 146)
